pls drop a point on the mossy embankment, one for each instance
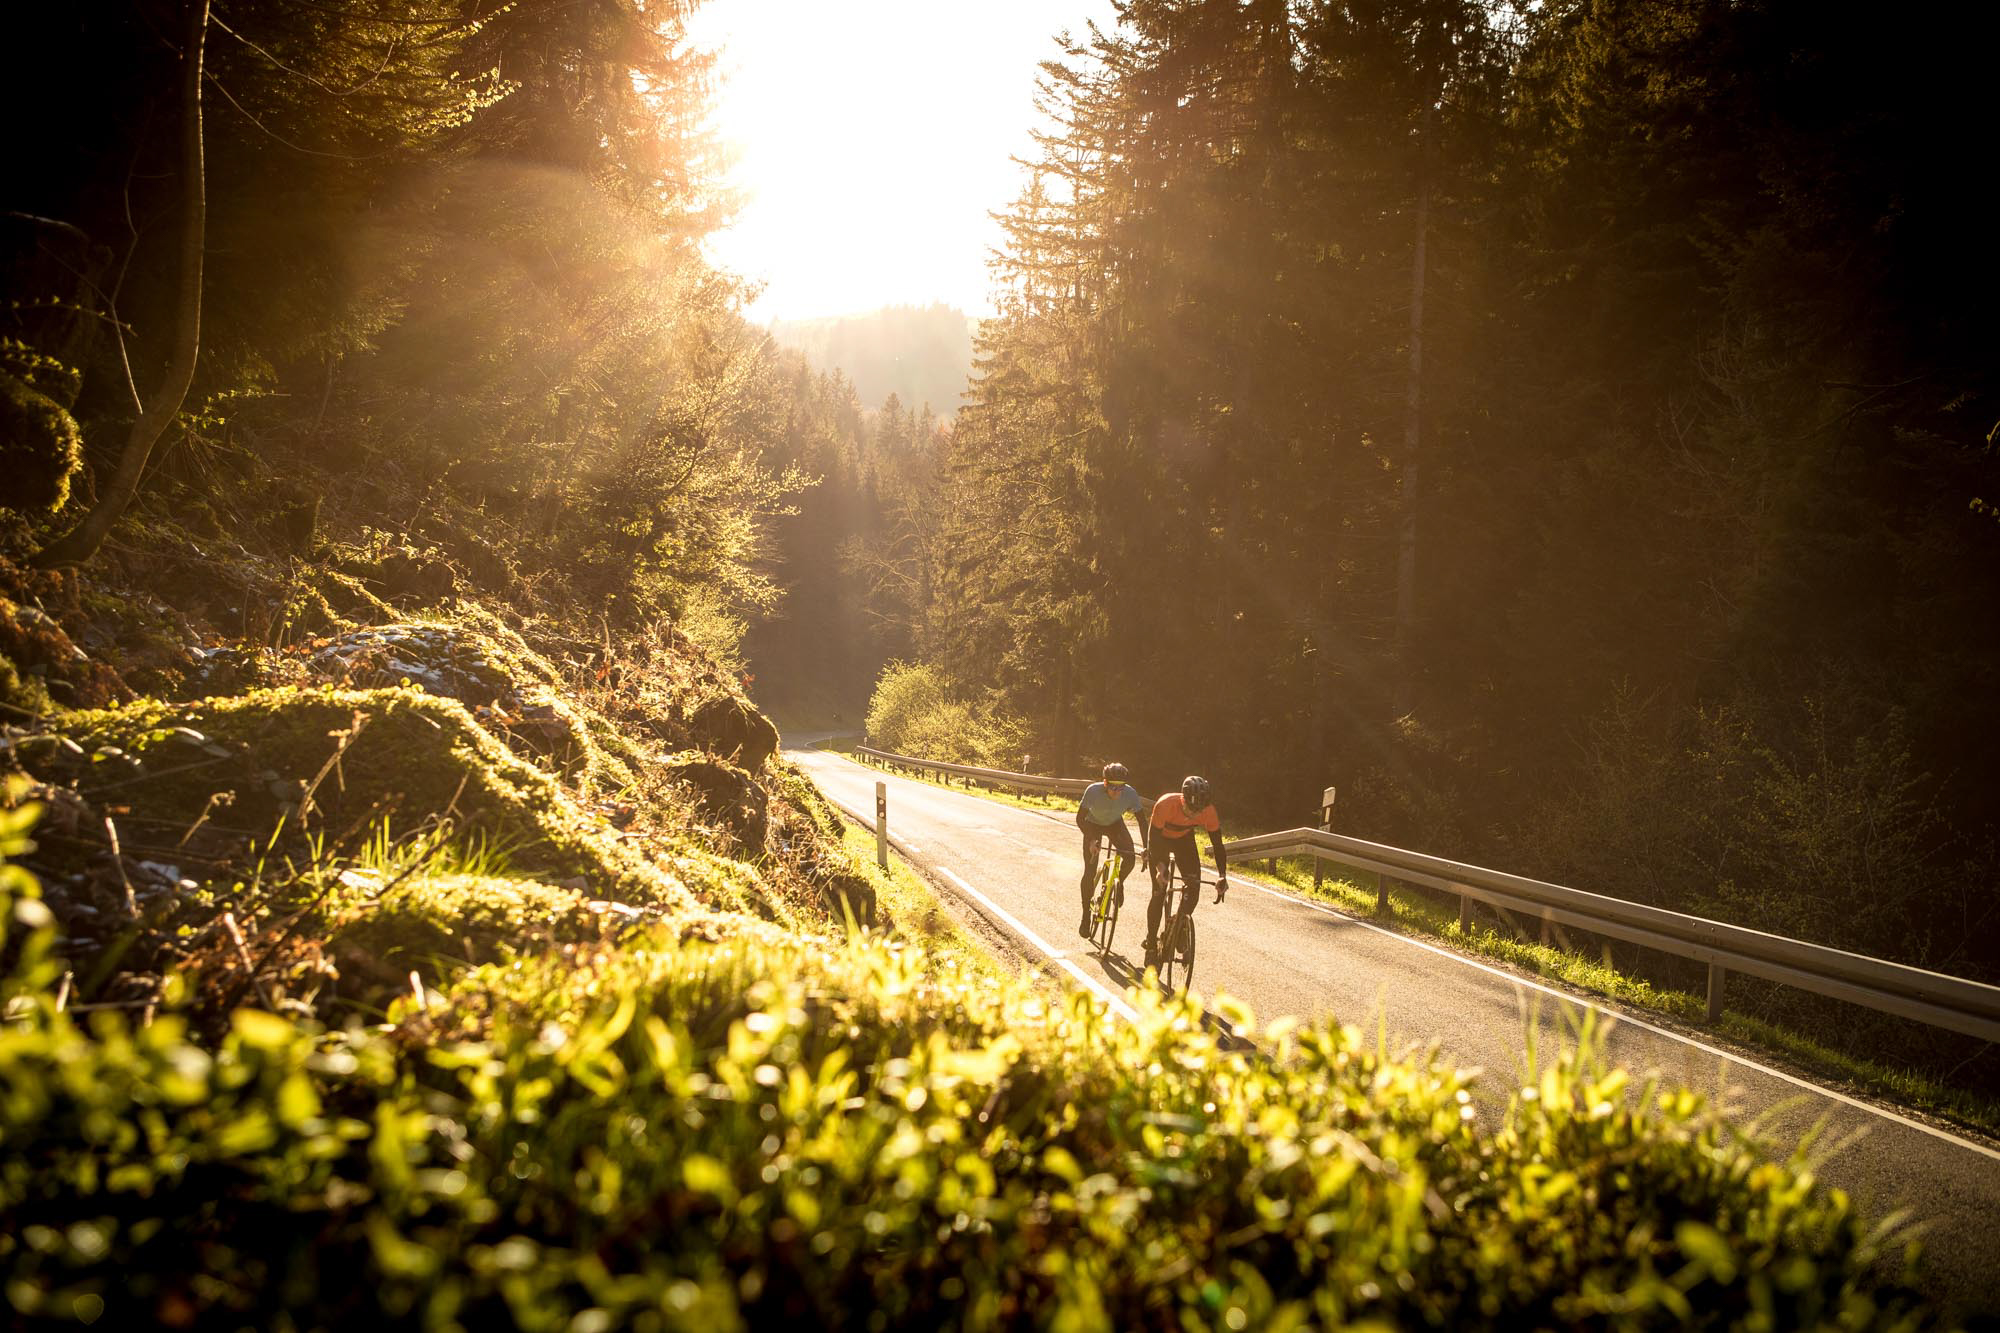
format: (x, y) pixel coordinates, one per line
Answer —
(312, 820)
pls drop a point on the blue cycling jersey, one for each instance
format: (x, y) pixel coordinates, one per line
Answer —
(1101, 806)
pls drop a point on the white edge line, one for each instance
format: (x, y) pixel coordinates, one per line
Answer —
(1620, 1016)
(1097, 988)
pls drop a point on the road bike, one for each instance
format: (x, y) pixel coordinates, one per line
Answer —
(1104, 898)
(1176, 952)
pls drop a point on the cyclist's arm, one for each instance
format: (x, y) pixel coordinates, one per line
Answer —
(1221, 862)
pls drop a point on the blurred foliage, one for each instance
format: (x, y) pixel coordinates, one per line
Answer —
(917, 355)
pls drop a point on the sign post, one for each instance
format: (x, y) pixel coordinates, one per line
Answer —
(882, 825)
(1325, 826)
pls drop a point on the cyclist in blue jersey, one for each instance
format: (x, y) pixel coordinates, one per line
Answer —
(1101, 814)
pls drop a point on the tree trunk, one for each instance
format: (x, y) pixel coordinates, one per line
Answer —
(1065, 718)
(1406, 546)
(81, 543)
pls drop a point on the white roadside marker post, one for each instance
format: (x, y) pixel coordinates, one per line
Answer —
(882, 824)
(1326, 826)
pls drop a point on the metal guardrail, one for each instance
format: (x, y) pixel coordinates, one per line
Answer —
(997, 777)
(1970, 1007)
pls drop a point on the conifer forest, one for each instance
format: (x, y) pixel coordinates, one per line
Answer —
(1566, 429)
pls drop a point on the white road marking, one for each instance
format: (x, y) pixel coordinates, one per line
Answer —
(1619, 1016)
(1097, 988)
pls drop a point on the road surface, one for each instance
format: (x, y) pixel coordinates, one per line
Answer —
(1013, 873)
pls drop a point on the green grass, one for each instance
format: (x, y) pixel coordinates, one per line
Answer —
(1419, 915)
(716, 1121)
(920, 918)
(724, 1112)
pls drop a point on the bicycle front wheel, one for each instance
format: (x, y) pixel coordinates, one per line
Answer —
(1105, 923)
(1177, 958)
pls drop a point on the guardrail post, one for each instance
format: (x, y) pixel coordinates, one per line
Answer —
(882, 824)
(1464, 913)
(1717, 974)
(1381, 894)
(1325, 826)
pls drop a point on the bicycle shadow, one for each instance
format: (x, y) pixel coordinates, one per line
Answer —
(1127, 975)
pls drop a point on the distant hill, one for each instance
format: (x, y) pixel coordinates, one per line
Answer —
(920, 354)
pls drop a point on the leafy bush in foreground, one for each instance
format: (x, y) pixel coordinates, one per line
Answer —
(737, 1132)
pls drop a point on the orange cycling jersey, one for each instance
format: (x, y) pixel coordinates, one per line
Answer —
(1171, 818)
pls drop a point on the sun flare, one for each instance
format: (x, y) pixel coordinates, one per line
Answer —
(872, 140)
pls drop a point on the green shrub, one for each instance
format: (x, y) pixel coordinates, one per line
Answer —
(915, 711)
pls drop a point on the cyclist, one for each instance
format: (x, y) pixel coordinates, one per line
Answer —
(1101, 813)
(1175, 818)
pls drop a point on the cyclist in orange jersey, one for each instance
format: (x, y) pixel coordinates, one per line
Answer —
(1176, 816)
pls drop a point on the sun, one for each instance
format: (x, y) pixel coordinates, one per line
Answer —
(872, 140)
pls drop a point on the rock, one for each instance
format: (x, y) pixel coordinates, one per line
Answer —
(725, 794)
(407, 577)
(734, 730)
(543, 729)
(435, 659)
(41, 448)
(223, 670)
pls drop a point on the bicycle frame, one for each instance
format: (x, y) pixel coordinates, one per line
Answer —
(1177, 929)
(1104, 898)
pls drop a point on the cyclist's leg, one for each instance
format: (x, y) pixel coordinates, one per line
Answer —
(1089, 862)
(1189, 857)
(1156, 861)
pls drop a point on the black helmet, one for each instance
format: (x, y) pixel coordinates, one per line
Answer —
(1115, 773)
(1194, 791)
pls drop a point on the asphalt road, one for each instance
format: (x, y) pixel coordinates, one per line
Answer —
(1013, 873)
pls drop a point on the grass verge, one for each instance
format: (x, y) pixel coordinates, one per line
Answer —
(921, 919)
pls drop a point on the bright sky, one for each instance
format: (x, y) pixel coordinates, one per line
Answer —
(874, 138)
